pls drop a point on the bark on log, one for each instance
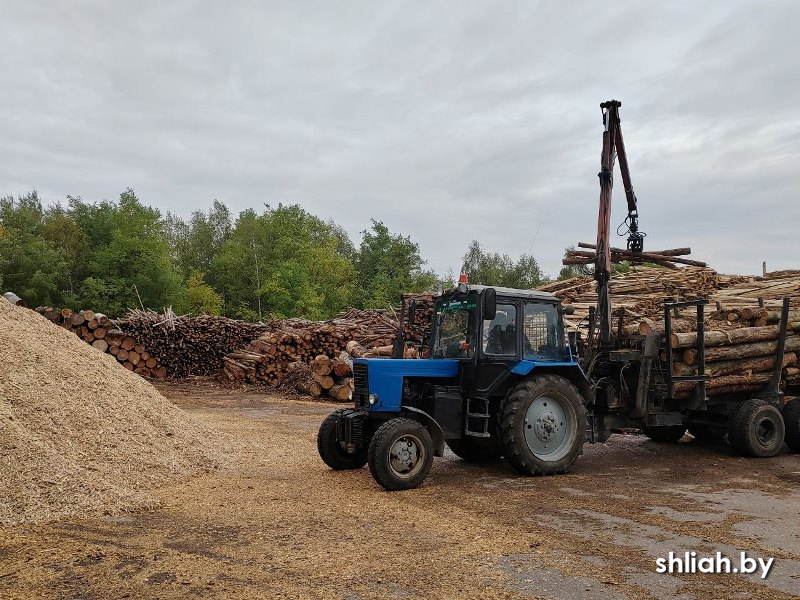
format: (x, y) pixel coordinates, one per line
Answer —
(340, 392)
(726, 381)
(321, 365)
(731, 336)
(741, 351)
(732, 367)
(325, 381)
(310, 388)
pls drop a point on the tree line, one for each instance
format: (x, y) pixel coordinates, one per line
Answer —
(279, 262)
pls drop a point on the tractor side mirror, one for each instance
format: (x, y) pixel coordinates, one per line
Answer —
(568, 309)
(412, 312)
(489, 304)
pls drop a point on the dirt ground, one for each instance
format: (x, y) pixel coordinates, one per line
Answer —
(278, 523)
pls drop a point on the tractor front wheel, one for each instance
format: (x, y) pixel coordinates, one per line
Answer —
(543, 425)
(401, 454)
(335, 454)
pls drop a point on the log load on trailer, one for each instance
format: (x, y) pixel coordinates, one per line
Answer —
(504, 379)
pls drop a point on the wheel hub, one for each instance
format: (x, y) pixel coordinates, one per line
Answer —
(548, 427)
(765, 432)
(405, 455)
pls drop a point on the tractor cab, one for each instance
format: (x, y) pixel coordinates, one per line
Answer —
(493, 352)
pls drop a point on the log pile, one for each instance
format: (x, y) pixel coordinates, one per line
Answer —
(166, 345)
(267, 358)
(104, 335)
(741, 321)
(641, 291)
(322, 377)
(418, 332)
(189, 345)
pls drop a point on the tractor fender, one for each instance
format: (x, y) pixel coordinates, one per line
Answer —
(571, 371)
(430, 424)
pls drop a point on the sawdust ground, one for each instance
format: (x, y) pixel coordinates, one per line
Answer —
(79, 433)
(277, 523)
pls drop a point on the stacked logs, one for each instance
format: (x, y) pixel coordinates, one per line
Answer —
(323, 377)
(741, 348)
(418, 332)
(164, 344)
(99, 331)
(267, 358)
(189, 345)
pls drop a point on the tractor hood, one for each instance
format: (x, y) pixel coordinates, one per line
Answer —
(385, 377)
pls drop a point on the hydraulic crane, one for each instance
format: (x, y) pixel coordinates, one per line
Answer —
(613, 146)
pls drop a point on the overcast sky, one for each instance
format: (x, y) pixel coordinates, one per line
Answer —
(446, 120)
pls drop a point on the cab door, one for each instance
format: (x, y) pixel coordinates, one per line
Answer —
(499, 347)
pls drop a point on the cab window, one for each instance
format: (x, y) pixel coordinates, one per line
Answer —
(541, 331)
(454, 338)
(500, 334)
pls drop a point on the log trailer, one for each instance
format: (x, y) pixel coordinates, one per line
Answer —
(504, 380)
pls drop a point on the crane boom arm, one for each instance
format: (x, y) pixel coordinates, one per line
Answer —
(613, 147)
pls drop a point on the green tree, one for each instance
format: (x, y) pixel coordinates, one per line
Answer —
(284, 262)
(30, 265)
(195, 244)
(492, 268)
(130, 261)
(388, 265)
(200, 298)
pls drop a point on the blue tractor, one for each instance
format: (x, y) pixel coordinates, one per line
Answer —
(500, 381)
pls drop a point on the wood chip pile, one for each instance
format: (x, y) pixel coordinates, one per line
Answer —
(740, 335)
(79, 433)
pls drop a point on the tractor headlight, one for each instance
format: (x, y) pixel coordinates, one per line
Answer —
(373, 398)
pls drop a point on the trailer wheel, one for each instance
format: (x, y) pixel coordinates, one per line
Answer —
(791, 419)
(333, 453)
(667, 434)
(401, 454)
(542, 425)
(756, 429)
(476, 449)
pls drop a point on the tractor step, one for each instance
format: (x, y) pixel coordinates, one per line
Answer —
(476, 418)
(476, 434)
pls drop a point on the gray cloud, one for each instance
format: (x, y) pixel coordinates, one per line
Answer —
(447, 120)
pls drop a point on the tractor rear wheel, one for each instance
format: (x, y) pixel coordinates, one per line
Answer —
(336, 455)
(476, 449)
(667, 433)
(756, 429)
(542, 425)
(401, 454)
(791, 418)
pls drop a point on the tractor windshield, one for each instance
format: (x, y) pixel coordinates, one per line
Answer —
(453, 334)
